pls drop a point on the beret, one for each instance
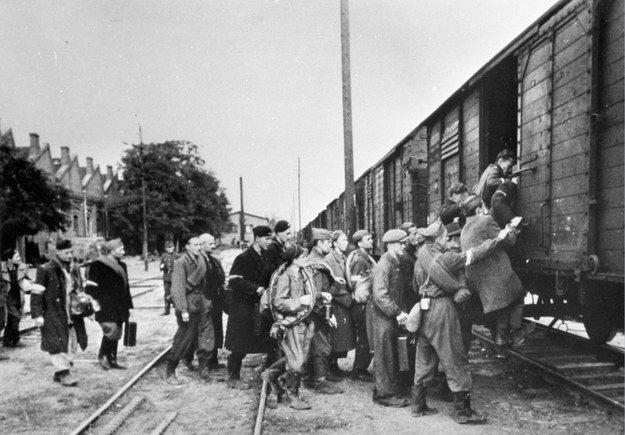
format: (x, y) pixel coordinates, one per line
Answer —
(453, 229)
(282, 226)
(63, 244)
(261, 231)
(320, 234)
(113, 244)
(359, 235)
(394, 236)
(449, 213)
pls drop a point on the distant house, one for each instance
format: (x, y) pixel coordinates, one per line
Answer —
(231, 235)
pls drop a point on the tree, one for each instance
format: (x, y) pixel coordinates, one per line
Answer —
(181, 196)
(29, 201)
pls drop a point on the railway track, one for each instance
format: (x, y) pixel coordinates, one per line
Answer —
(594, 371)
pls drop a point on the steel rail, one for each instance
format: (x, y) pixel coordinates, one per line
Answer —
(82, 427)
(557, 375)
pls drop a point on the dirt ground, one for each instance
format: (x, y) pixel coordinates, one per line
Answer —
(517, 401)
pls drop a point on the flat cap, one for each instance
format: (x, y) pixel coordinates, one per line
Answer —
(453, 229)
(394, 236)
(113, 244)
(320, 234)
(282, 226)
(432, 231)
(261, 231)
(63, 244)
(359, 235)
(406, 226)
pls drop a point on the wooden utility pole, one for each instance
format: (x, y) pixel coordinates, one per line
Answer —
(350, 216)
(242, 216)
(299, 202)
(144, 205)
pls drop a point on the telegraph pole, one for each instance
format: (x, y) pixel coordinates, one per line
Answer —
(350, 217)
(145, 213)
(242, 216)
(299, 201)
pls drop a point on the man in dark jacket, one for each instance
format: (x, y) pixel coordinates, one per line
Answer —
(388, 316)
(113, 295)
(275, 249)
(493, 176)
(248, 330)
(195, 325)
(50, 309)
(215, 279)
(358, 267)
(167, 267)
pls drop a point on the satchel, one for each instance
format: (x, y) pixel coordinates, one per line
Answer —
(362, 289)
(80, 304)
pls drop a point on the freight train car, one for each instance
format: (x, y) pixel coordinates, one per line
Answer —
(554, 95)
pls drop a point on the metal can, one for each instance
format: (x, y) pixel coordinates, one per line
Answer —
(425, 304)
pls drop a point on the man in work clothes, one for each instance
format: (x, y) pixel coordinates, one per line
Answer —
(195, 326)
(358, 267)
(275, 249)
(387, 318)
(167, 267)
(50, 309)
(113, 295)
(248, 330)
(215, 279)
(320, 348)
(439, 277)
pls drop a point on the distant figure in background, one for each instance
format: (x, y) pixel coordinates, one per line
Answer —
(277, 247)
(112, 292)
(494, 175)
(16, 281)
(342, 338)
(358, 267)
(167, 267)
(50, 310)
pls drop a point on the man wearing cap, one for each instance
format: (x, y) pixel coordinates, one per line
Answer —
(439, 278)
(275, 250)
(247, 330)
(50, 310)
(451, 210)
(320, 347)
(167, 267)
(215, 279)
(195, 327)
(493, 176)
(358, 267)
(387, 317)
(113, 295)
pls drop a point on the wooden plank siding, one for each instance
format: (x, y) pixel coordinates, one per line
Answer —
(434, 166)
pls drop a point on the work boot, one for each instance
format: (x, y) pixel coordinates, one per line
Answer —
(390, 401)
(104, 362)
(463, 414)
(418, 405)
(238, 384)
(271, 377)
(294, 399)
(324, 387)
(519, 335)
(189, 365)
(170, 373)
(66, 379)
(502, 338)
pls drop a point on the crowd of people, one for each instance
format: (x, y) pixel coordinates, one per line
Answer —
(409, 311)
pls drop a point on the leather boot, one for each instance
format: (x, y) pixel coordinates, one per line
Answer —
(67, 380)
(418, 405)
(463, 414)
(519, 335)
(170, 373)
(204, 370)
(295, 401)
(270, 376)
(113, 356)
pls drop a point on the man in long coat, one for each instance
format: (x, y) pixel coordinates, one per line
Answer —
(113, 295)
(388, 316)
(358, 267)
(342, 337)
(248, 330)
(498, 286)
(195, 325)
(277, 246)
(50, 310)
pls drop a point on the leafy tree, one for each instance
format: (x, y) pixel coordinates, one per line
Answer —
(29, 201)
(181, 196)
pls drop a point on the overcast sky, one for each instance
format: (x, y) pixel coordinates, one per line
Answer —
(254, 83)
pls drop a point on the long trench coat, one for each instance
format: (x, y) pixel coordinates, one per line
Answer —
(113, 290)
(52, 305)
(342, 338)
(493, 278)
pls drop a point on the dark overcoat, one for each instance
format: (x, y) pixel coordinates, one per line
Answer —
(253, 269)
(112, 291)
(342, 338)
(407, 261)
(492, 278)
(215, 278)
(275, 254)
(52, 304)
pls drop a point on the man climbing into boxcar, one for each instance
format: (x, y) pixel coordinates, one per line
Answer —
(494, 175)
(358, 267)
(248, 330)
(387, 317)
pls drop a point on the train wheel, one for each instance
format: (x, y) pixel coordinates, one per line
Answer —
(598, 323)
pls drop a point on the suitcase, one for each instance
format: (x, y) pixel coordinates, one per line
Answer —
(130, 334)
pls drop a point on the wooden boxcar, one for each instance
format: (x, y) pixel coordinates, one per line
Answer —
(555, 96)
